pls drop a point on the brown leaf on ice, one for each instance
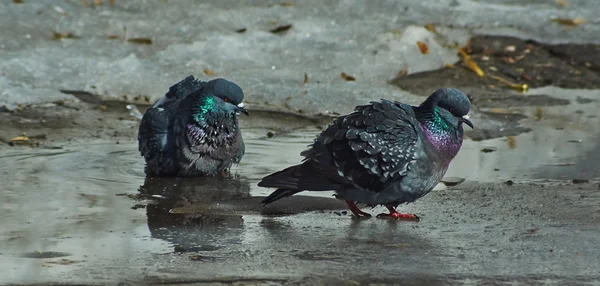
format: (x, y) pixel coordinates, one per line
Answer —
(208, 72)
(430, 28)
(305, 78)
(347, 77)
(423, 47)
(470, 63)
(281, 28)
(141, 41)
(59, 36)
(569, 22)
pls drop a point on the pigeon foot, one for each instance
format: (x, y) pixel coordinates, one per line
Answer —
(356, 211)
(399, 216)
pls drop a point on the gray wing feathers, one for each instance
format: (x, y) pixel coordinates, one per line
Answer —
(152, 135)
(371, 146)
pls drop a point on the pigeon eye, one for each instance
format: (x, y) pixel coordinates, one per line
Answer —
(451, 110)
(226, 99)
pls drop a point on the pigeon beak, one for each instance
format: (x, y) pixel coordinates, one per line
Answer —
(242, 109)
(466, 120)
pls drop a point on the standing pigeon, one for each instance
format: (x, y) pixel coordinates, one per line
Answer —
(193, 130)
(385, 153)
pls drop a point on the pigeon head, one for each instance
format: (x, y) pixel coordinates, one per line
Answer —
(222, 96)
(451, 105)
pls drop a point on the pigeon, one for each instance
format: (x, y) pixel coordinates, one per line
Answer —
(193, 130)
(384, 153)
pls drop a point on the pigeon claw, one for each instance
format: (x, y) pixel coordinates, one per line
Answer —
(356, 211)
(398, 216)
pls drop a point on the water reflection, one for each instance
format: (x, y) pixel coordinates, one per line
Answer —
(193, 232)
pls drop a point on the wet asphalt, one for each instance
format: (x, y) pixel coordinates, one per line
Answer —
(79, 209)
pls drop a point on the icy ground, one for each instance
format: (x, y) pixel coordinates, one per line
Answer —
(369, 40)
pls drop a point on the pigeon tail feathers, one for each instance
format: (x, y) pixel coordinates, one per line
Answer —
(277, 195)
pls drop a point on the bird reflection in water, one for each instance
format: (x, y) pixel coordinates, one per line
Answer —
(194, 231)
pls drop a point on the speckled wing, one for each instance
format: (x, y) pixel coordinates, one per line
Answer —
(371, 146)
(153, 130)
(152, 133)
(180, 90)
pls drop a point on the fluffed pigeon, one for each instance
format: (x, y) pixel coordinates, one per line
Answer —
(385, 153)
(193, 130)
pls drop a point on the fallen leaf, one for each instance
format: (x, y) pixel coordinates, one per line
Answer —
(208, 72)
(347, 77)
(470, 63)
(241, 30)
(85, 3)
(98, 2)
(467, 47)
(450, 66)
(18, 1)
(430, 27)
(281, 28)
(20, 139)
(113, 37)
(423, 47)
(111, 2)
(509, 60)
(59, 36)
(287, 4)
(512, 144)
(141, 41)
(305, 78)
(520, 87)
(569, 22)
(562, 3)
